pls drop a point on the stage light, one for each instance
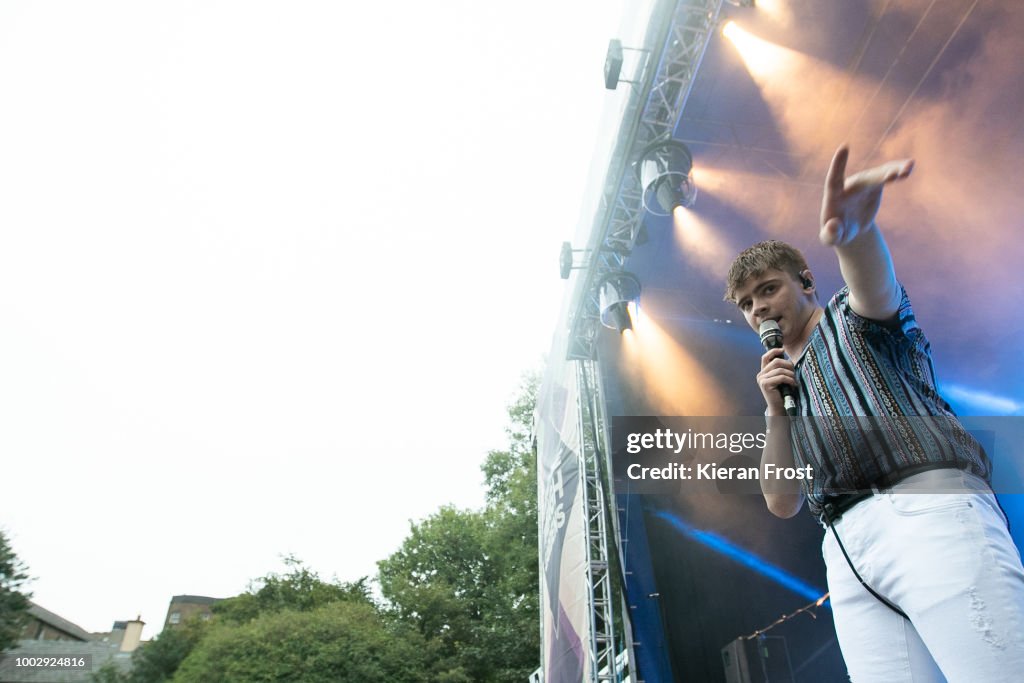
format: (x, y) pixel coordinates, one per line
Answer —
(665, 175)
(615, 292)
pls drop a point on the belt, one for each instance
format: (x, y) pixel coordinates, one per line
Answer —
(834, 506)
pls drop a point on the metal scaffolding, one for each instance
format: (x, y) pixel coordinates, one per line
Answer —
(663, 83)
(603, 648)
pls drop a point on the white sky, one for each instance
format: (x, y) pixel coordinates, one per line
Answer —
(270, 273)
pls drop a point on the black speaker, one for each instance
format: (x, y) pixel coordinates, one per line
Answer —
(613, 64)
(764, 659)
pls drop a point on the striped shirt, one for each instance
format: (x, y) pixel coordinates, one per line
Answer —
(870, 406)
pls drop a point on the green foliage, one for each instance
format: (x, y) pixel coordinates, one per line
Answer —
(507, 474)
(513, 630)
(159, 659)
(337, 643)
(299, 589)
(108, 673)
(13, 598)
(437, 580)
(468, 580)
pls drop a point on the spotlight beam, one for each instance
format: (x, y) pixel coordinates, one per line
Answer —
(743, 556)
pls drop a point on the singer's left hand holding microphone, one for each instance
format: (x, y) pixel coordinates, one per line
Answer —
(776, 369)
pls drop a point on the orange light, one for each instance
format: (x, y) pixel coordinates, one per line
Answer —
(708, 179)
(703, 244)
(802, 92)
(629, 342)
(678, 214)
(668, 374)
(779, 12)
(761, 57)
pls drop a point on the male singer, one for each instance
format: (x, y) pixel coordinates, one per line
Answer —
(924, 586)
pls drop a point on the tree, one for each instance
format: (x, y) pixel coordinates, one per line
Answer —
(438, 581)
(157, 660)
(510, 475)
(299, 589)
(340, 642)
(513, 629)
(468, 580)
(14, 602)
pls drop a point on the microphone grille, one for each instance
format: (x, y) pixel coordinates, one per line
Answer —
(770, 330)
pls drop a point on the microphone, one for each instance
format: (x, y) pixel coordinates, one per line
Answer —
(771, 338)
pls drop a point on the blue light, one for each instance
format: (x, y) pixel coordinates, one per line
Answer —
(744, 557)
(980, 401)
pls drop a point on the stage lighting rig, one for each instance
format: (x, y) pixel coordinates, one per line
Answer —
(665, 175)
(664, 73)
(615, 291)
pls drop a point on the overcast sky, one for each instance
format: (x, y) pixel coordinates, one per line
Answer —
(270, 273)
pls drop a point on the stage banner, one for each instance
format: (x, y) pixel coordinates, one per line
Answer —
(562, 537)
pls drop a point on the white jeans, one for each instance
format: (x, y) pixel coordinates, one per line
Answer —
(947, 560)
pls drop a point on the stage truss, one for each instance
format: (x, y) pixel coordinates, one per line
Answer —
(663, 82)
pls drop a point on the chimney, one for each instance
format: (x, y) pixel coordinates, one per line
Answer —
(132, 634)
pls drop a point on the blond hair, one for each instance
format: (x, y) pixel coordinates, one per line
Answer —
(754, 261)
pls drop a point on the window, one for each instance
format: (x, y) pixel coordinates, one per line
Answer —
(174, 618)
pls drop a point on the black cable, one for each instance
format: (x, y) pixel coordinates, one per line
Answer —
(885, 601)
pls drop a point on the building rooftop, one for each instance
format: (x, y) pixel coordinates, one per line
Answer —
(58, 622)
(97, 653)
(195, 599)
